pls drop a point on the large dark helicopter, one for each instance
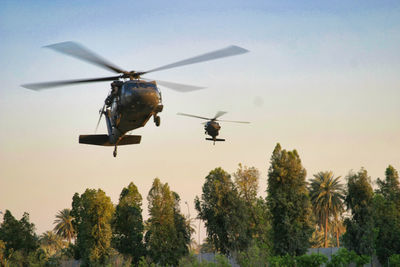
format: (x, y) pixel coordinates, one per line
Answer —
(212, 127)
(133, 100)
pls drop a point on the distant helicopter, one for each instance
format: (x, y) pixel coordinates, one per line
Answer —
(132, 100)
(212, 127)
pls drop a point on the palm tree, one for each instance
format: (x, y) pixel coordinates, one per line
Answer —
(64, 227)
(317, 238)
(51, 243)
(327, 196)
(338, 228)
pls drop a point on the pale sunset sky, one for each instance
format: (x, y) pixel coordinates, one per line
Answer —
(322, 77)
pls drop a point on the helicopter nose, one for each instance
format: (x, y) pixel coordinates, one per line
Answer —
(146, 97)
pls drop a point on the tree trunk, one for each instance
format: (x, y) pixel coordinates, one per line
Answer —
(326, 230)
(337, 238)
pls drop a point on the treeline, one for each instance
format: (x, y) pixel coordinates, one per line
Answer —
(277, 230)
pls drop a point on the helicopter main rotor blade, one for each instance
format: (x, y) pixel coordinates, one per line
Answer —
(194, 116)
(235, 121)
(78, 51)
(225, 52)
(46, 85)
(177, 86)
(219, 114)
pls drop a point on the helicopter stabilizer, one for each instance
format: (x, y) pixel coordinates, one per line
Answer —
(215, 140)
(103, 140)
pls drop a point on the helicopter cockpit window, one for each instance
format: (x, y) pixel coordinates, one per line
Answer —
(141, 85)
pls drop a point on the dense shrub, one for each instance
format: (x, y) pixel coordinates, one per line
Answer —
(394, 260)
(313, 260)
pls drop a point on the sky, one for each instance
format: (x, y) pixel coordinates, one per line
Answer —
(321, 77)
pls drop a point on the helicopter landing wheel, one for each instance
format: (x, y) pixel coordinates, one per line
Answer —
(115, 151)
(157, 120)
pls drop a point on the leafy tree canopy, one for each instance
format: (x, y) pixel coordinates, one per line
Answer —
(167, 237)
(289, 203)
(387, 215)
(94, 212)
(360, 235)
(128, 224)
(224, 213)
(18, 235)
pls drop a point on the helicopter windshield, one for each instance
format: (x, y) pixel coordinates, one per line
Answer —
(130, 86)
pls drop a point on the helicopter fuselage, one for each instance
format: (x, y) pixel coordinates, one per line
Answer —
(212, 128)
(135, 103)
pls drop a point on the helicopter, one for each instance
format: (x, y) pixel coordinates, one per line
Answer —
(212, 127)
(133, 100)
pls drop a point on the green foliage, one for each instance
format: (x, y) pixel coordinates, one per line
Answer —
(327, 196)
(224, 213)
(51, 243)
(344, 257)
(256, 255)
(312, 260)
(360, 234)
(2, 253)
(167, 237)
(318, 238)
(183, 230)
(281, 261)
(222, 261)
(17, 258)
(289, 203)
(192, 261)
(207, 247)
(261, 229)
(64, 225)
(258, 222)
(143, 262)
(394, 260)
(94, 211)
(341, 259)
(387, 215)
(76, 214)
(128, 224)
(361, 260)
(37, 258)
(246, 181)
(18, 235)
(390, 187)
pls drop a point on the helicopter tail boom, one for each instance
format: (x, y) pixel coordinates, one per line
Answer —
(103, 140)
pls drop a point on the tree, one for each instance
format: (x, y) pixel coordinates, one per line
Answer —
(246, 181)
(95, 211)
(76, 211)
(64, 225)
(387, 215)
(338, 228)
(183, 229)
(167, 238)
(359, 235)
(51, 243)
(327, 195)
(18, 235)
(2, 253)
(289, 203)
(224, 213)
(128, 224)
(390, 187)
